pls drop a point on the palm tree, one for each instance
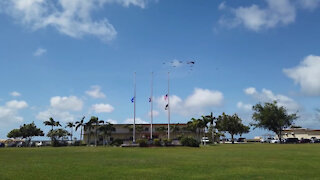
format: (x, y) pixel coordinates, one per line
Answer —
(106, 129)
(95, 122)
(203, 123)
(51, 122)
(197, 126)
(70, 125)
(211, 119)
(80, 124)
(58, 124)
(88, 127)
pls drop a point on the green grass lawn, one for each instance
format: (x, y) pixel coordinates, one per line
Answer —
(238, 161)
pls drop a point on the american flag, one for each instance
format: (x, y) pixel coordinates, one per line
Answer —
(166, 97)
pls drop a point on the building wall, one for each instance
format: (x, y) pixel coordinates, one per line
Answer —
(124, 133)
(301, 133)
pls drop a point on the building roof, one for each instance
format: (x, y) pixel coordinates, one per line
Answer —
(301, 129)
(161, 124)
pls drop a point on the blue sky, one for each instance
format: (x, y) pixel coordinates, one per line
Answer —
(67, 59)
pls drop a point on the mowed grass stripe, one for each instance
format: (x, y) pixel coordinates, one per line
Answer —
(225, 161)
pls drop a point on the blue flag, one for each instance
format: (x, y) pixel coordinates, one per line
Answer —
(132, 100)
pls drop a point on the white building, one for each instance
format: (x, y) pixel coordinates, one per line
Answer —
(301, 133)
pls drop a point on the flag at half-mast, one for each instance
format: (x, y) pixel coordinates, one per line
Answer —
(132, 100)
(167, 106)
(166, 97)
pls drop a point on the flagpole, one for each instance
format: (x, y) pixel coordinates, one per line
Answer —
(134, 110)
(151, 106)
(168, 105)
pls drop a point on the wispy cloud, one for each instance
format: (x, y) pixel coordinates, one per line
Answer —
(72, 18)
(15, 94)
(40, 52)
(258, 17)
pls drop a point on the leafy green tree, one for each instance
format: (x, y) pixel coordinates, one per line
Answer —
(15, 133)
(26, 131)
(272, 117)
(71, 126)
(243, 129)
(80, 124)
(231, 124)
(57, 134)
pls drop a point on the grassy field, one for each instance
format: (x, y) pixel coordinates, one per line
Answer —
(239, 161)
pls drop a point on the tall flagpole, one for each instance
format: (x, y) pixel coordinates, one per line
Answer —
(151, 106)
(134, 110)
(168, 105)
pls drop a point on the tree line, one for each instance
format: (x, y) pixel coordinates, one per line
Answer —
(267, 116)
(57, 133)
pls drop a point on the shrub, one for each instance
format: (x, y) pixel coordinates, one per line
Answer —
(156, 142)
(77, 143)
(167, 142)
(189, 141)
(117, 142)
(179, 137)
(55, 143)
(142, 142)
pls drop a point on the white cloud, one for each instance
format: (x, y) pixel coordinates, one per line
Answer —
(95, 92)
(268, 96)
(201, 100)
(154, 113)
(71, 103)
(70, 17)
(39, 52)
(112, 121)
(101, 108)
(204, 98)
(222, 5)
(9, 113)
(307, 75)
(15, 94)
(138, 121)
(14, 104)
(250, 91)
(309, 4)
(276, 13)
(60, 107)
(58, 115)
(244, 107)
